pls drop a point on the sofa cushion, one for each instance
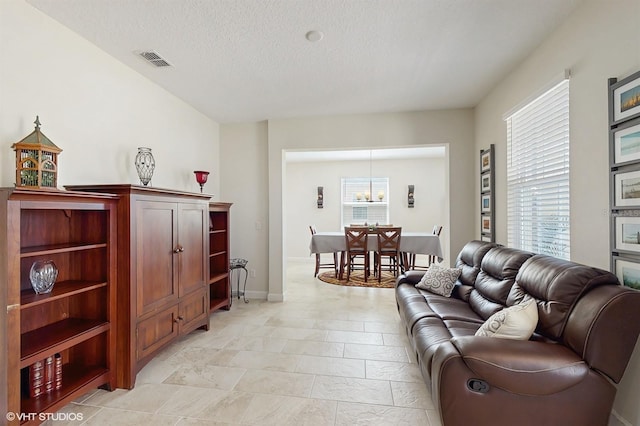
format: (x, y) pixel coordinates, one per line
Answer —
(459, 328)
(439, 280)
(515, 322)
(494, 281)
(469, 261)
(452, 309)
(428, 334)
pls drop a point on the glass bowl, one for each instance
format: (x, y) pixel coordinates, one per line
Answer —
(43, 275)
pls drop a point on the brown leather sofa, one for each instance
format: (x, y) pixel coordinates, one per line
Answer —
(565, 374)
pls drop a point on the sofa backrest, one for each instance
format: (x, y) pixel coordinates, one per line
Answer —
(469, 261)
(493, 283)
(557, 285)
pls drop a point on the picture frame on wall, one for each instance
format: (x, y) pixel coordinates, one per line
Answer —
(628, 271)
(626, 98)
(485, 161)
(626, 143)
(485, 182)
(486, 225)
(486, 238)
(627, 233)
(485, 203)
(626, 189)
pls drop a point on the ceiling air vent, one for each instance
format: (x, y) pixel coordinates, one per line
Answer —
(154, 58)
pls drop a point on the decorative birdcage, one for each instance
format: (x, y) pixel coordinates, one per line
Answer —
(36, 160)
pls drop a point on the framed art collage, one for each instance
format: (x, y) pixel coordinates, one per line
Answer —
(624, 181)
(487, 230)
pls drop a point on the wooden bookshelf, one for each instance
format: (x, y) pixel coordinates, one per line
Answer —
(219, 290)
(75, 321)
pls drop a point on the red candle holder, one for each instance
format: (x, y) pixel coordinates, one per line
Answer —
(201, 177)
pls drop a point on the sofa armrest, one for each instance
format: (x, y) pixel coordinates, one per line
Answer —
(521, 367)
(410, 277)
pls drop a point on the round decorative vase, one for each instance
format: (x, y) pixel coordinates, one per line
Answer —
(145, 164)
(43, 275)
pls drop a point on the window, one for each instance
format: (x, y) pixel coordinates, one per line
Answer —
(538, 174)
(358, 207)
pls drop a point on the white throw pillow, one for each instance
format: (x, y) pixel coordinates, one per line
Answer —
(439, 280)
(515, 322)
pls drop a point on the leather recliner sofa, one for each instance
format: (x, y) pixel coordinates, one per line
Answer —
(565, 374)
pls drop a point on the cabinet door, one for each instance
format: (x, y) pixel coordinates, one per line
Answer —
(193, 224)
(157, 255)
(156, 331)
(194, 311)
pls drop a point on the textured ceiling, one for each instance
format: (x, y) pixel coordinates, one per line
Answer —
(249, 60)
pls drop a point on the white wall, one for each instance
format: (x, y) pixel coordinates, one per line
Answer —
(599, 40)
(428, 175)
(245, 184)
(453, 128)
(94, 108)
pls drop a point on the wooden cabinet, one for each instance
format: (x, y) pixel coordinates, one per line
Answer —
(219, 289)
(163, 270)
(75, 322)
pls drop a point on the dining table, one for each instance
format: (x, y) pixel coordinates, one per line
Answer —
(425, 243)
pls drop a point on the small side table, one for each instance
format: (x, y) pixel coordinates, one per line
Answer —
(237, 266)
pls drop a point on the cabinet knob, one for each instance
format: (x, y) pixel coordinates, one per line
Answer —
(178, 319)
(178, 249)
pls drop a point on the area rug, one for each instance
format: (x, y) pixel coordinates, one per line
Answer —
(356, 279)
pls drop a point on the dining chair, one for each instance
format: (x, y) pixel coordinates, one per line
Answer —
(356, 247)
(319, 264)
(388, 246)
(431, 259)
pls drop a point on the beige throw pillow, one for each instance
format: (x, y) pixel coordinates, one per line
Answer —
(515, 322)
(439, 280)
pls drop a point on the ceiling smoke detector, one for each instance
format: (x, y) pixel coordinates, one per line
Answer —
(154, 58)
(314, 36)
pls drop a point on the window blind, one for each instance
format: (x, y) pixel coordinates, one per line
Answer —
(538, 201)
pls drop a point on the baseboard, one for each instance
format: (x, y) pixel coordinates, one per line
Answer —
(621, 421)
(256, 295)
(275, 297)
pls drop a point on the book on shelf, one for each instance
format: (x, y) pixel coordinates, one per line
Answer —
(58, 371)
(49, 374)
(33, 379)
(42, 376)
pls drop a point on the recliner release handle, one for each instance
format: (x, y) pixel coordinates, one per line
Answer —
(477, 385)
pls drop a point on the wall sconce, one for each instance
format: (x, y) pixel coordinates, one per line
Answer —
(320, 197)
(410, 199)
(201, 178)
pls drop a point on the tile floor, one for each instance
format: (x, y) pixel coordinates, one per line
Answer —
(328, 355)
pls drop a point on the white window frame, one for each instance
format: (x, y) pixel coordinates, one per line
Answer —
(354, 206)
(538, 197)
